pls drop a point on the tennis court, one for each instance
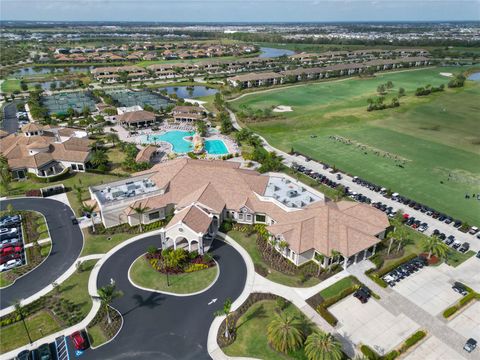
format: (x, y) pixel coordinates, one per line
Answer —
(59, 103)
(130, 98)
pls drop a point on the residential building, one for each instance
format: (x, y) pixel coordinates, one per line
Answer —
(140, 118)
(188, 113)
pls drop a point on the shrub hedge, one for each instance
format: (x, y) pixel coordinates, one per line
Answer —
(412, 340)
(472, 295)
(327, 315)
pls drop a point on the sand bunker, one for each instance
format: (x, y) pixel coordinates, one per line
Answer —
(282, 108)
(446, 74)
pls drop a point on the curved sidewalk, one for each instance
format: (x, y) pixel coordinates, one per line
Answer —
(297, 296)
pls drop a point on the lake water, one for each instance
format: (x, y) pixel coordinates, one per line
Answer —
(474, 76)
(27, 71)
(185, 92)
(266, 52)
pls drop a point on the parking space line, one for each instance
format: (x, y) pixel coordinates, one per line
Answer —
(62, 348)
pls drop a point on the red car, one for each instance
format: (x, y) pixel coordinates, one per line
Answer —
(406, 216)
(5, 258)
(11, 250)
(79, 340)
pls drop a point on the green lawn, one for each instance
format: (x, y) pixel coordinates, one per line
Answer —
(249, 244)
(337, 288)
(42, 228)
(456, 258)
(144, 275)
(96, 335)
(39, 325)
(252, 339)
(99, 244)
(11, 85)
(437, 136)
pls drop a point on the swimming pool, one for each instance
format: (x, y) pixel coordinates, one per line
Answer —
(180, 145)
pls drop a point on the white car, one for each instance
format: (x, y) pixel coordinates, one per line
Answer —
(6, 233)
(10, 264)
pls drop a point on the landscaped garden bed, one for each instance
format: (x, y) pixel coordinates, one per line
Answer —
(34, 229)
(176, 271)
(408, 344)
(270, 263)
(333, 294)
(64, 306)
(100, 330)
(463, 302)
(256, 330)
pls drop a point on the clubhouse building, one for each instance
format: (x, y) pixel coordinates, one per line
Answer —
(199, 195)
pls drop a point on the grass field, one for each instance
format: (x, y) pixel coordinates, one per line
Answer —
(10, 85)
(437, 136)
(144, 275)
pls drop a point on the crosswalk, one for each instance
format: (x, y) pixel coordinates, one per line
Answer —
(62, 348)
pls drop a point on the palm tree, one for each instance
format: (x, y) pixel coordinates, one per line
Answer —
(323, 346)
(140, 210)
(99, 157)
(284, 333)
(20, 311)
(89, 209)
(106, 295)
(402, 235)
(5, 174)
(113, 138)
(391, 236)
(435, 246)
(78, 192)
(227, 308)
(335, 254)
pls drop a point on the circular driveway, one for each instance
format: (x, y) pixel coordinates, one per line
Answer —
(67, 243)
(158, 326)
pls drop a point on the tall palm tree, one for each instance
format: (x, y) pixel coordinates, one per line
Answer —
(107, 294)
(78, 192)
(99, 157)
(391, 237)
(323, 346)
(284, 333)
(113, 138)
(226, 309)
(20, 311)
(89, 209)
(402, 235)
(140, 210)
(435, 246)
(334, 255)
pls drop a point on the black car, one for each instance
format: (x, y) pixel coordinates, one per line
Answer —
(470, 345)
(44, 352)
(23, 355)
(448, 220)
(449, 241)
(442, 236)
(478, 254)
(464, 248)
(460, 288)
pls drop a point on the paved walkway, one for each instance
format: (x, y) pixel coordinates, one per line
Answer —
(257, 283)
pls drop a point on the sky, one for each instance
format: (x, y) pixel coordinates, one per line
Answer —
(240, 10)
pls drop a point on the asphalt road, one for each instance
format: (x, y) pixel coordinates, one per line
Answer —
(67, 243)
(158, 326)
(10, 121)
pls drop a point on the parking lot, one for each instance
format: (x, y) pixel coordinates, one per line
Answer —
(429, 288)
(371, 324)
(12, 251)
(433, 349)
(467, 273)
(467, 322)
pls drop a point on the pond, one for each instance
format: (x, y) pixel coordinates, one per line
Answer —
(181, 145)
(42, 70)
(186, 92)
(266, 52)
(474, 76)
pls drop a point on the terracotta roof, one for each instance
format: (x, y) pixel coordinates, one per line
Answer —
(146, 153)
(345, 227)
(39, 144)
(136, 116)
(31, 127)
(193, 217)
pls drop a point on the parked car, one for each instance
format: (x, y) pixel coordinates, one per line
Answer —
(10, 264)
(9, 221)
(460, 288)
(23, 355)
(8, 233)
(456, 244)
(11, 250)
(9, 242)
(4, 259)
(470, 345)
(478, 254)
(44, 352)
(473, 230)
(79, 340)
(423, 227)
(464, 248)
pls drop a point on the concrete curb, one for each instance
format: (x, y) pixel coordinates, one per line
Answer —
(170, 293)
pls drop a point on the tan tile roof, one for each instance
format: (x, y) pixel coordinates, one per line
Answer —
(146, 153)
(187, 110)
(15, 148)
(136, 116)
(31, 127)
(256, 76)
(193, 217)
(3, 133)
(345, 227)
(205, 195)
